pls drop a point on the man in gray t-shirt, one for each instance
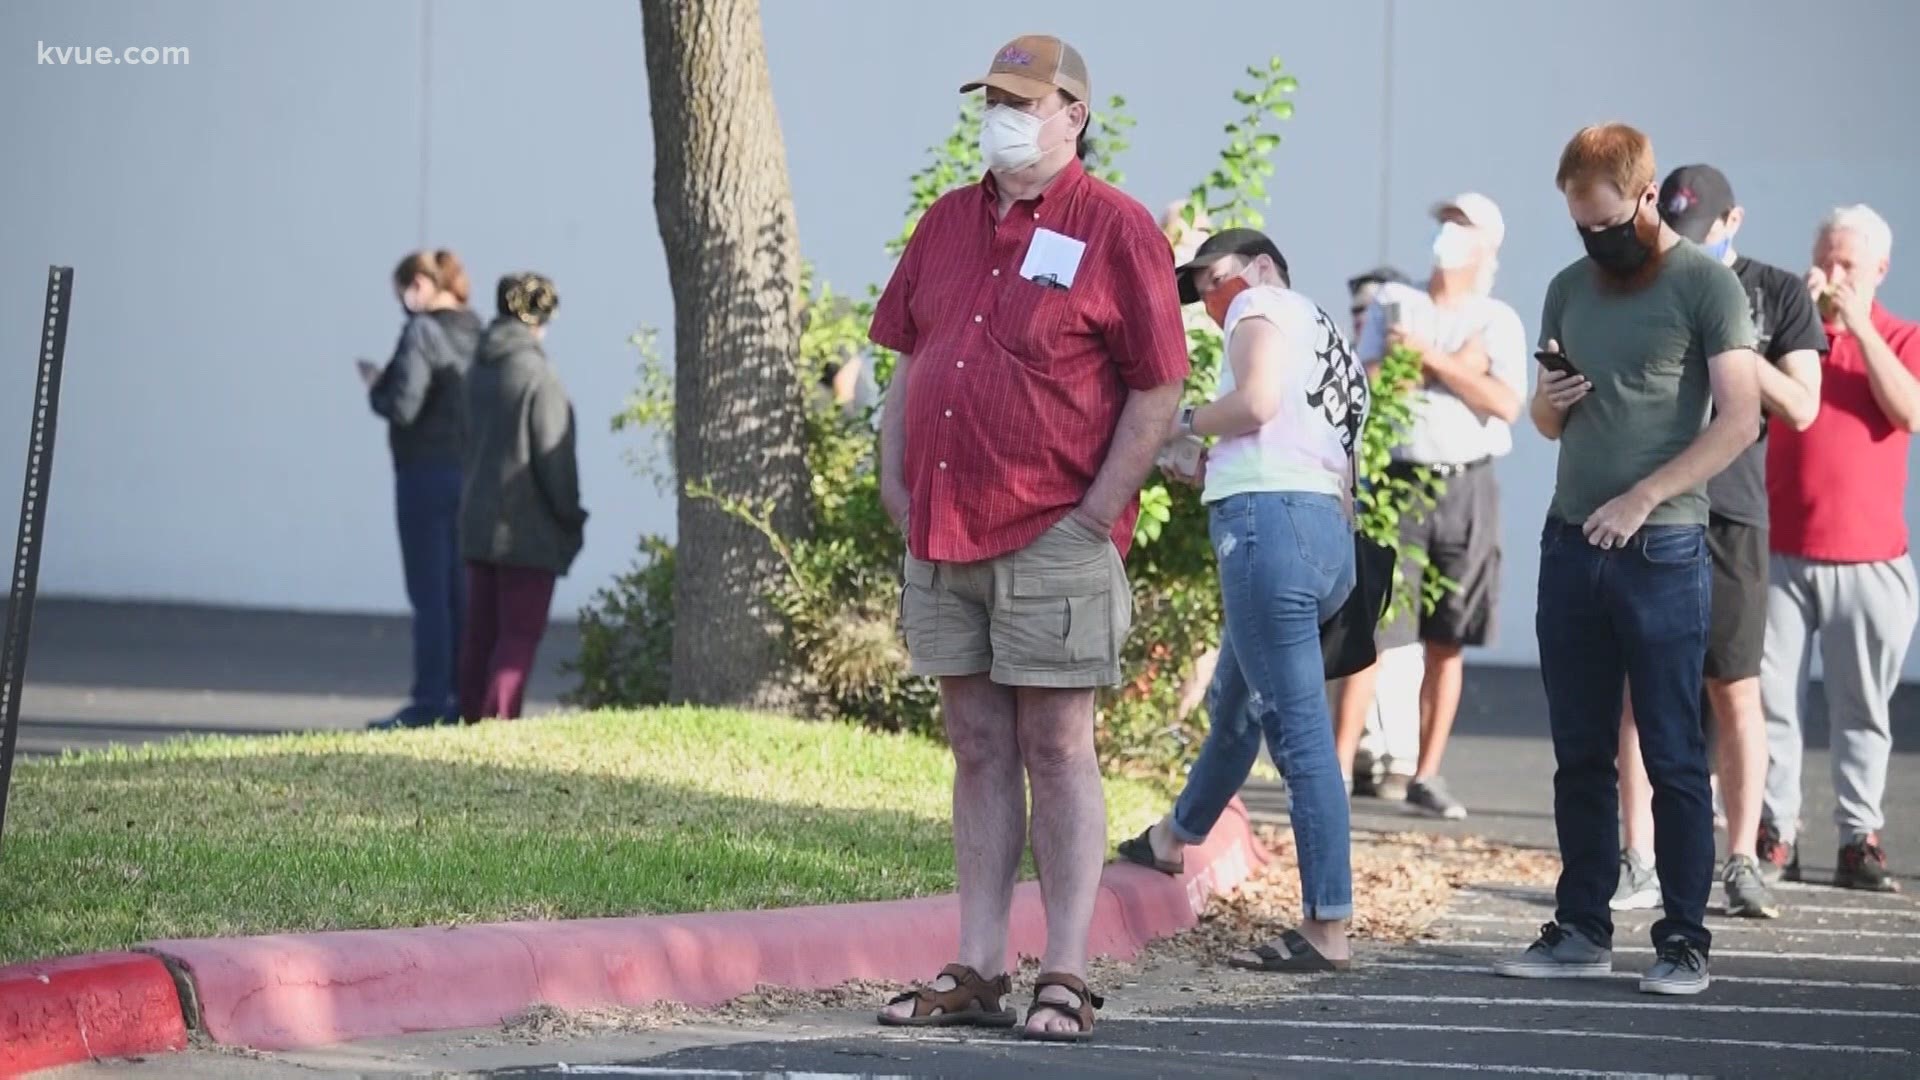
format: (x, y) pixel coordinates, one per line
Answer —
(1640, 339)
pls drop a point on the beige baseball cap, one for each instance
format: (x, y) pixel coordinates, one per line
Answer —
(1481, 212)
(1034, 65)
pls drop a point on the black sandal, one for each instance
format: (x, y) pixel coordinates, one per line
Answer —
(1139, 852)
(973, 1002)
(1299, 958)
(1082, 1015)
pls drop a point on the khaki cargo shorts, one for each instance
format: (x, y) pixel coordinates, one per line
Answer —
(1053, 614)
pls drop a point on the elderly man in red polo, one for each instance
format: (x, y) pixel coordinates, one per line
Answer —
(1041, 361)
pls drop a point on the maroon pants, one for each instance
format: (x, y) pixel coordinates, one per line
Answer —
(506, 616)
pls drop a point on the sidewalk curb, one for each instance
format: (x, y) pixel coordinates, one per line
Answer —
(290, 991)
(59, 1012)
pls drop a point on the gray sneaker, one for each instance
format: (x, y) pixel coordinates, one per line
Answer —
(1432, 796)
(1680, 969)
(1559, 954)
(1639, 885)
(1393, 787)
(1747, 895)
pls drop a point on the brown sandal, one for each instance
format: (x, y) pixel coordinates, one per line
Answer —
(973, 1002)
(1089, 1001)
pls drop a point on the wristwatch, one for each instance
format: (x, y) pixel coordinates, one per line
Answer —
(1186, 420)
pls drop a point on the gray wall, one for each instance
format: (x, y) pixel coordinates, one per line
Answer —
(233, 221)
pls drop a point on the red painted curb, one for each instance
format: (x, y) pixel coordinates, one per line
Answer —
(58, 1012)
(298, 990)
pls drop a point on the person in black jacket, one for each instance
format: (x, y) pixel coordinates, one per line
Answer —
(422, 395)
(521, 522)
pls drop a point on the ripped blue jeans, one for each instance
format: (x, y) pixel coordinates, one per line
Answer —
(1286, 565)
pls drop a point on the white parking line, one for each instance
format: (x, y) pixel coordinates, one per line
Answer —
(1490, 1029)
(1544, 905)
(1318, 1059)
(1517, 946)
(1828, 909)
(1816, 887)
(728, 1074)
(1667, 1005)
(1772, 927)
(1718, 979)
(1900, 905)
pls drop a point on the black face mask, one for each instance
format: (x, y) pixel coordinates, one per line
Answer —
(1617, 248)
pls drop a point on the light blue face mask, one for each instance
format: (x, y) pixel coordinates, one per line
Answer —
(1719, 248)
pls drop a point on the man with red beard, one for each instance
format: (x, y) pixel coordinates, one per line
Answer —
(1639, 339)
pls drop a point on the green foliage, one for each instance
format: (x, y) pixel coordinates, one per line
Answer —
(626, 635)
(953, 162)
(1107, 138)
(648, 411)
(1384, 498)
(840, 595)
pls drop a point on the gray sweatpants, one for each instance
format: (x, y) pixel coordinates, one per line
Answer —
(1864, 614)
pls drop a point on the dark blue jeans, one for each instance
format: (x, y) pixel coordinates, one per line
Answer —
(1634, 617)
(427, 500)
(1286, 565)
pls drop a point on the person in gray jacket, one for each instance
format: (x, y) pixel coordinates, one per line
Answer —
(521, 522)
(421, 394)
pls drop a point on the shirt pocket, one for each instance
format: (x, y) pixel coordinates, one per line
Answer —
(1033, 322)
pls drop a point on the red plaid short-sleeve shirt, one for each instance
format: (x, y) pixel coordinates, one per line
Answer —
(1015, 388)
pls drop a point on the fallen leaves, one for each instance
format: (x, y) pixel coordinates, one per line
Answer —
(1402, 883)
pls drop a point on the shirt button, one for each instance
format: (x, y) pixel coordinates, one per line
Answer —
(943, 464)
(959, 363)
(949, 413)
(996, 271)
(1036, 215)
(976, 318)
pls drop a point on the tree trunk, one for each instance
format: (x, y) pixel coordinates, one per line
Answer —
(725, 208)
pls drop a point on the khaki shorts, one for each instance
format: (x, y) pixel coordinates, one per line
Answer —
(1053, 614)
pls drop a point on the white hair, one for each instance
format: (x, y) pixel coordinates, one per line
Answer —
(1863, 221)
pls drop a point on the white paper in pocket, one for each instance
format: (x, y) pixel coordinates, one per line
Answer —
(1052, 259)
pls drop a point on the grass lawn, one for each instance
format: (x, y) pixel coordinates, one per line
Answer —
(565, 817)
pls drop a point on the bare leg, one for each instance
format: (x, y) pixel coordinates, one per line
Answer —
(1069, 828)
(1439, 704)
(989, 819)
(1741, 758)
(1636, 791)
(1356, 697)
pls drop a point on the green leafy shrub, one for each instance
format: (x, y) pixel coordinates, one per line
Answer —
(626, 635)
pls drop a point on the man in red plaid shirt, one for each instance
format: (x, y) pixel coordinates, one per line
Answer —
(1041, 361)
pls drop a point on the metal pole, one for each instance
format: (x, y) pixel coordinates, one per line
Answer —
(1386, 137)
(33, 511)
(426, 111)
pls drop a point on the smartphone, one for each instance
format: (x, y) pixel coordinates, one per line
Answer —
(1390, 311)
(1557, 362)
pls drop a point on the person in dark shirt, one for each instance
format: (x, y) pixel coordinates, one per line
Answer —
(521, 522)
(421, 394)
(1698, 202)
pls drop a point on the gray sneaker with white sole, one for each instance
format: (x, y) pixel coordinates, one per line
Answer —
(1679, 969)
(1432, 796)
(1639, 885)
(1559, 954)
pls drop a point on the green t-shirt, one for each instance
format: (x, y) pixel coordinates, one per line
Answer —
(1646, 353)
